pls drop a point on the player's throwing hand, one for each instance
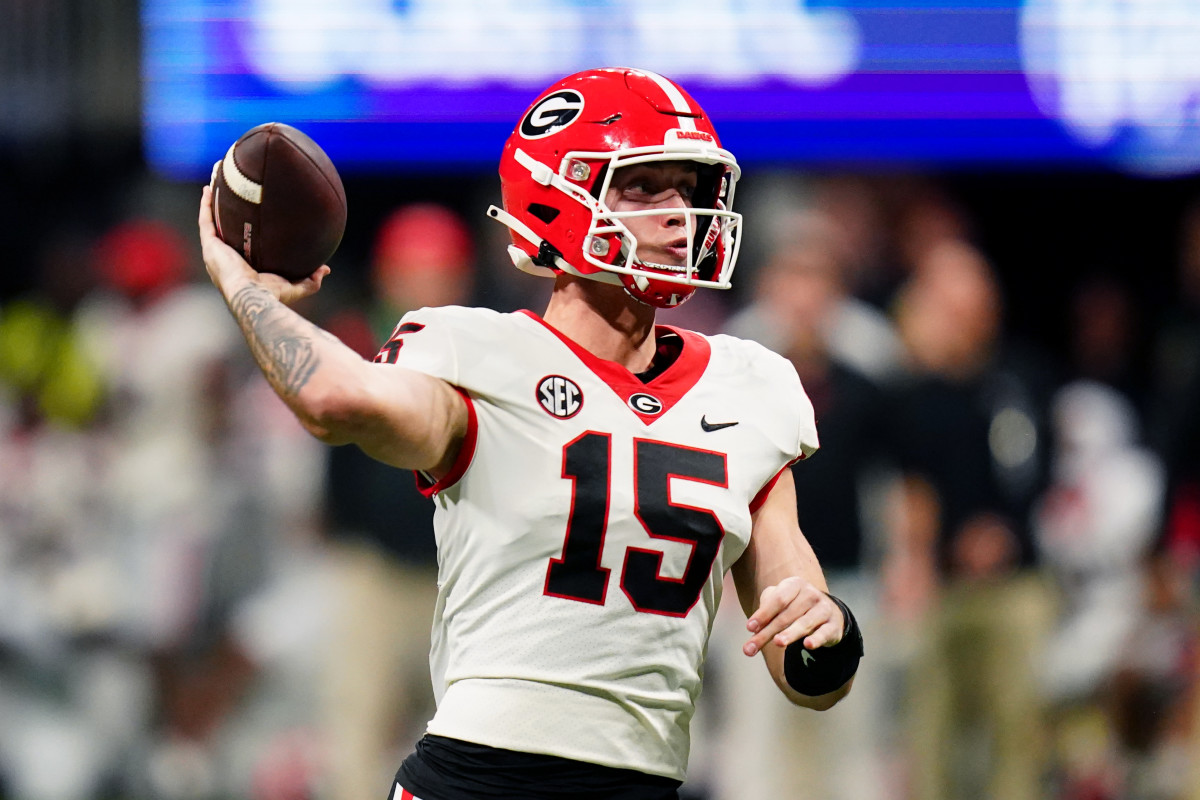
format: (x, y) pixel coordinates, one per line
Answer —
(226, 267)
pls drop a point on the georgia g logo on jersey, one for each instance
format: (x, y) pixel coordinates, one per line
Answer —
(552, 114)
(561, 397)
(646, 404)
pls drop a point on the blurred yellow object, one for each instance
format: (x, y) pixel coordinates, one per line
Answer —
(40, 357)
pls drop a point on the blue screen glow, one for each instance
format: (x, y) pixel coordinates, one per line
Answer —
(406, 86)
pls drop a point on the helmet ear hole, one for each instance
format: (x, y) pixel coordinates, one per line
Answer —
(545, 213)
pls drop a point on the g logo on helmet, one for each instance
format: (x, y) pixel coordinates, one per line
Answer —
(646, 404)
(554, 112)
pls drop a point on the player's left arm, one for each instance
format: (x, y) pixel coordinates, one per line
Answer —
(783, 592)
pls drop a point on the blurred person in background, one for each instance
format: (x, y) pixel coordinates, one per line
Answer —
(1175, 434)
(762, 746)
(970, 424)
(1151, 699)
(1175, 415)
(1121, 663)
(377, 687)
(1095, 529)
(73, 700)
(209, 485)
(858, 334)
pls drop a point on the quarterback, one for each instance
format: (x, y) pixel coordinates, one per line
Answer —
(595, 476)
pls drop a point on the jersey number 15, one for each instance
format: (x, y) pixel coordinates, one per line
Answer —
(577, 574)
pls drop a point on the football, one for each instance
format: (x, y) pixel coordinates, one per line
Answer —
(279, 201)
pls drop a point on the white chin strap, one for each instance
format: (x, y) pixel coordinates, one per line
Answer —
(522, 260)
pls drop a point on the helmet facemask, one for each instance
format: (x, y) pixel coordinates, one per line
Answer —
(709, 227)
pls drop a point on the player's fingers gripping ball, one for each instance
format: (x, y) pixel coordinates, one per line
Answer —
(279, 201)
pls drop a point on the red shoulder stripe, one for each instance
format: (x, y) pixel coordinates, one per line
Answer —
(429, 487)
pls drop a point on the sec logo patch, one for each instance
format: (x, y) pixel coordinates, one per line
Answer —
(560, 397)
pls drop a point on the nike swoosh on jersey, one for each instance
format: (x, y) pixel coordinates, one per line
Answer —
(709, 427)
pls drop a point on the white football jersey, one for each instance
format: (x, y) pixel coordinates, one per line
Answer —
(584, 532)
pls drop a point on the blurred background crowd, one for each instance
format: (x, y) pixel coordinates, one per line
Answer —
(198, 601)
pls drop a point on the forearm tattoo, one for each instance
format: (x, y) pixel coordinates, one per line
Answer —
(279, 340)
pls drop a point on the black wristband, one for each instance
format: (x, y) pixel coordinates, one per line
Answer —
(816, 672)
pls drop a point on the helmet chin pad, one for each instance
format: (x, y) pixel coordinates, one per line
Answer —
(660, 294)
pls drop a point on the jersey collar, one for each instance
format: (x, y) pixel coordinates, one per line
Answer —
(668, 388)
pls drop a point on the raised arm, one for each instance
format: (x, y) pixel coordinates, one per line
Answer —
(783, 592)
(399, 416)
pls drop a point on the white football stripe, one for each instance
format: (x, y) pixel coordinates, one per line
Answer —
(238, 183)
(216, 205)
(676, 97)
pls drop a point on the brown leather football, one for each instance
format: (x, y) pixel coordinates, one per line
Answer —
(279, 201)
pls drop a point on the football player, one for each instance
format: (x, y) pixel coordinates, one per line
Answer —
(595, 475)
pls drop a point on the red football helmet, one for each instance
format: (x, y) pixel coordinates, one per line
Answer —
(559, 162)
